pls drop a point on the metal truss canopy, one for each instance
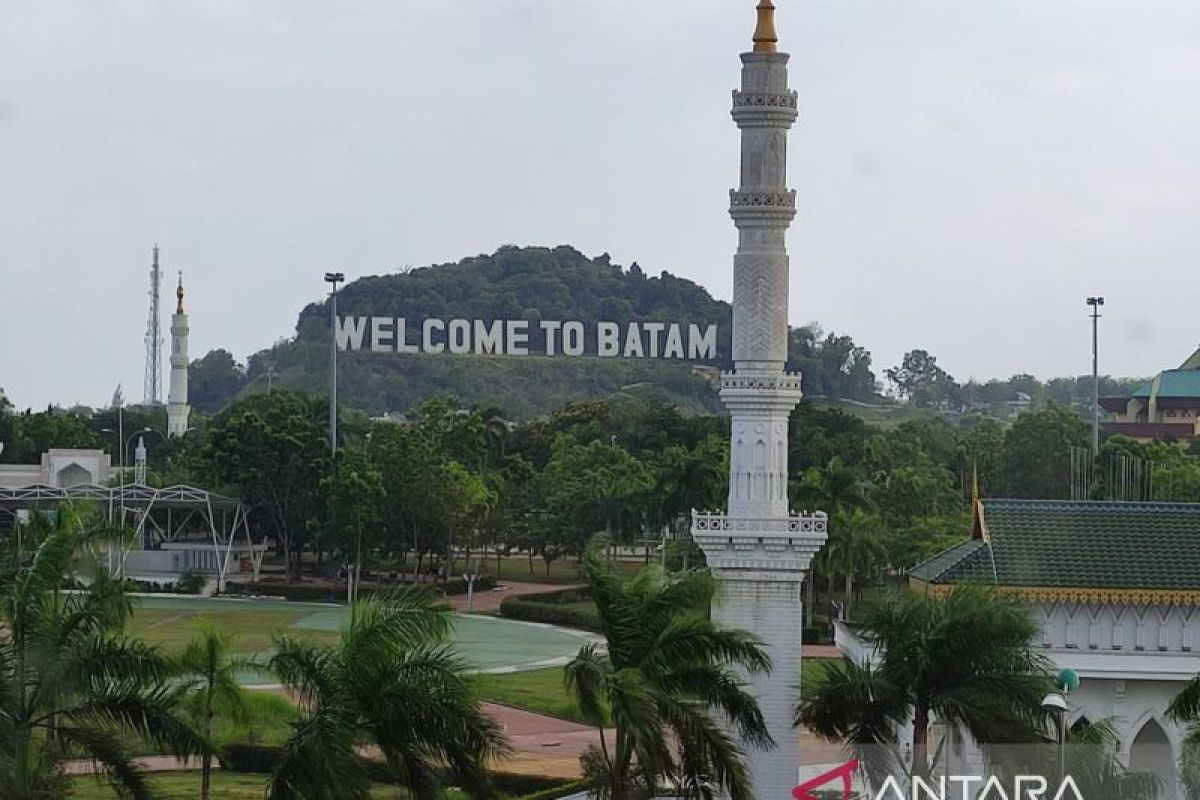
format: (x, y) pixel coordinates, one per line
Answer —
(179, 528)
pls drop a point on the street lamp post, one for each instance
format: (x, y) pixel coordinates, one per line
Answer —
(333, 279)
(1056, 703)
(1095, 303)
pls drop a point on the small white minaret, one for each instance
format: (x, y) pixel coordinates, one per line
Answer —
(139, 462)
(177, 400)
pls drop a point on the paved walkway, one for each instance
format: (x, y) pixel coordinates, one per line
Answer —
(488, 601)
(541, 745)
(822, 651)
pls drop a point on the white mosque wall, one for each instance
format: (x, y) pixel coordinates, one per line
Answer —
(62, 468)
(1132, 660)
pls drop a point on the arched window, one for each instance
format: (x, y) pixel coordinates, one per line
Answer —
(73, 475)
(1151, 752)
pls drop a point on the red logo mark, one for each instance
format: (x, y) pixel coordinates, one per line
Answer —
(845, 771)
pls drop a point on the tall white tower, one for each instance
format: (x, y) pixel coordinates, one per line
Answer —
(177, 400)
(758, 550)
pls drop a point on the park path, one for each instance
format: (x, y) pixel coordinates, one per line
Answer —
(488, 601)
(541, 745)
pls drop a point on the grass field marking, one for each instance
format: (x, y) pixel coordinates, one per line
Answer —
(549, 663)
(167, 621)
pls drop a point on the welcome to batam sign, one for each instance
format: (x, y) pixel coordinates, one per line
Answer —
(512, 337)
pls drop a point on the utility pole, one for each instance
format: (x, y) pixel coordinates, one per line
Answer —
(333, 278)
(1095, 303)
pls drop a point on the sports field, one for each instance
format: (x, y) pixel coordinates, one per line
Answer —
(487, 643)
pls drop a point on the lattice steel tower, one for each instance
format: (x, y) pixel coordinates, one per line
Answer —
(154, 340)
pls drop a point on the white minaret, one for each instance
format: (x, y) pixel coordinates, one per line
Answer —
(759, 550)
(177, 400)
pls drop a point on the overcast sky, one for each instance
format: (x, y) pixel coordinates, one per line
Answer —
(967, 171)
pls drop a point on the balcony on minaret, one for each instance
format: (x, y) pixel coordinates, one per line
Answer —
(778, 548)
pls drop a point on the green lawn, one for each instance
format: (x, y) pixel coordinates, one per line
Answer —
(252, 625)
(266, 719)
(227, 786)
(540, 690)
(563, 571)
(544, 692)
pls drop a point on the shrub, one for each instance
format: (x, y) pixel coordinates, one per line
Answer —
(569, 607)
(190, 582)
(313, 593)
(518, 785)
(249, 758)
(814, 635)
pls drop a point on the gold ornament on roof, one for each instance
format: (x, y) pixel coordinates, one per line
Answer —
(179, 295)
(765, 37)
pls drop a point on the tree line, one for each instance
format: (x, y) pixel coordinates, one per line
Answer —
(436, 489)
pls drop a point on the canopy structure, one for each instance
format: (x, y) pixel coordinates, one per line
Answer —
(180, 529)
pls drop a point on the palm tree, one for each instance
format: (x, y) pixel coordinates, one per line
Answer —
(1186, 705)
(687, 480)
(966, 659)
(1186, 708)
(832, 488)
(666, 681)
(210, 673)
(389, 681)
(855, 546)
(71, 684)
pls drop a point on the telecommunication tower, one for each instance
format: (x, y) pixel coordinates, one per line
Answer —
(154, 340)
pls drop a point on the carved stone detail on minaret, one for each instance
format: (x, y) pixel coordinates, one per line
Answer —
(765, 100)
(738, 199)
(760, 282)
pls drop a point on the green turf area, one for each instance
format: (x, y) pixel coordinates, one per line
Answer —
(484, 642)
(539, 690)
(544, 691)
(564, 571)
(811, 669)
(227, 786)
(265, 719)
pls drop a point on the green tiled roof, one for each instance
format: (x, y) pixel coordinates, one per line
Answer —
(1077, 544)
(1173, 383)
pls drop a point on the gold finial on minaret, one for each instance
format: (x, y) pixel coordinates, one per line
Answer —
(179, 294)
(765, 37)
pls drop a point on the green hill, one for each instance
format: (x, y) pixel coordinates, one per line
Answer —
(531, 283)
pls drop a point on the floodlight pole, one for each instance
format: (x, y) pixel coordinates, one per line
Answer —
(1095, 303)
(333, 278)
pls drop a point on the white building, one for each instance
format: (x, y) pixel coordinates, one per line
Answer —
(61, 468)
(1116, 587)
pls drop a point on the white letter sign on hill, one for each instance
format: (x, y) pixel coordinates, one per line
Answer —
(510, 337)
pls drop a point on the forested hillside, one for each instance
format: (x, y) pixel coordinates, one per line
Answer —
(534, 284)
(539, 283)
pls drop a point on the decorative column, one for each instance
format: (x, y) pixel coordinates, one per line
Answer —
(759, 550)
(177, 400)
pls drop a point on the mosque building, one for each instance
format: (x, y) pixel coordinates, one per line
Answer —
(1116, 590)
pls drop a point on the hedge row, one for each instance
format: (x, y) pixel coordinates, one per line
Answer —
(259, 759)
(554, 608)
(313, 593)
